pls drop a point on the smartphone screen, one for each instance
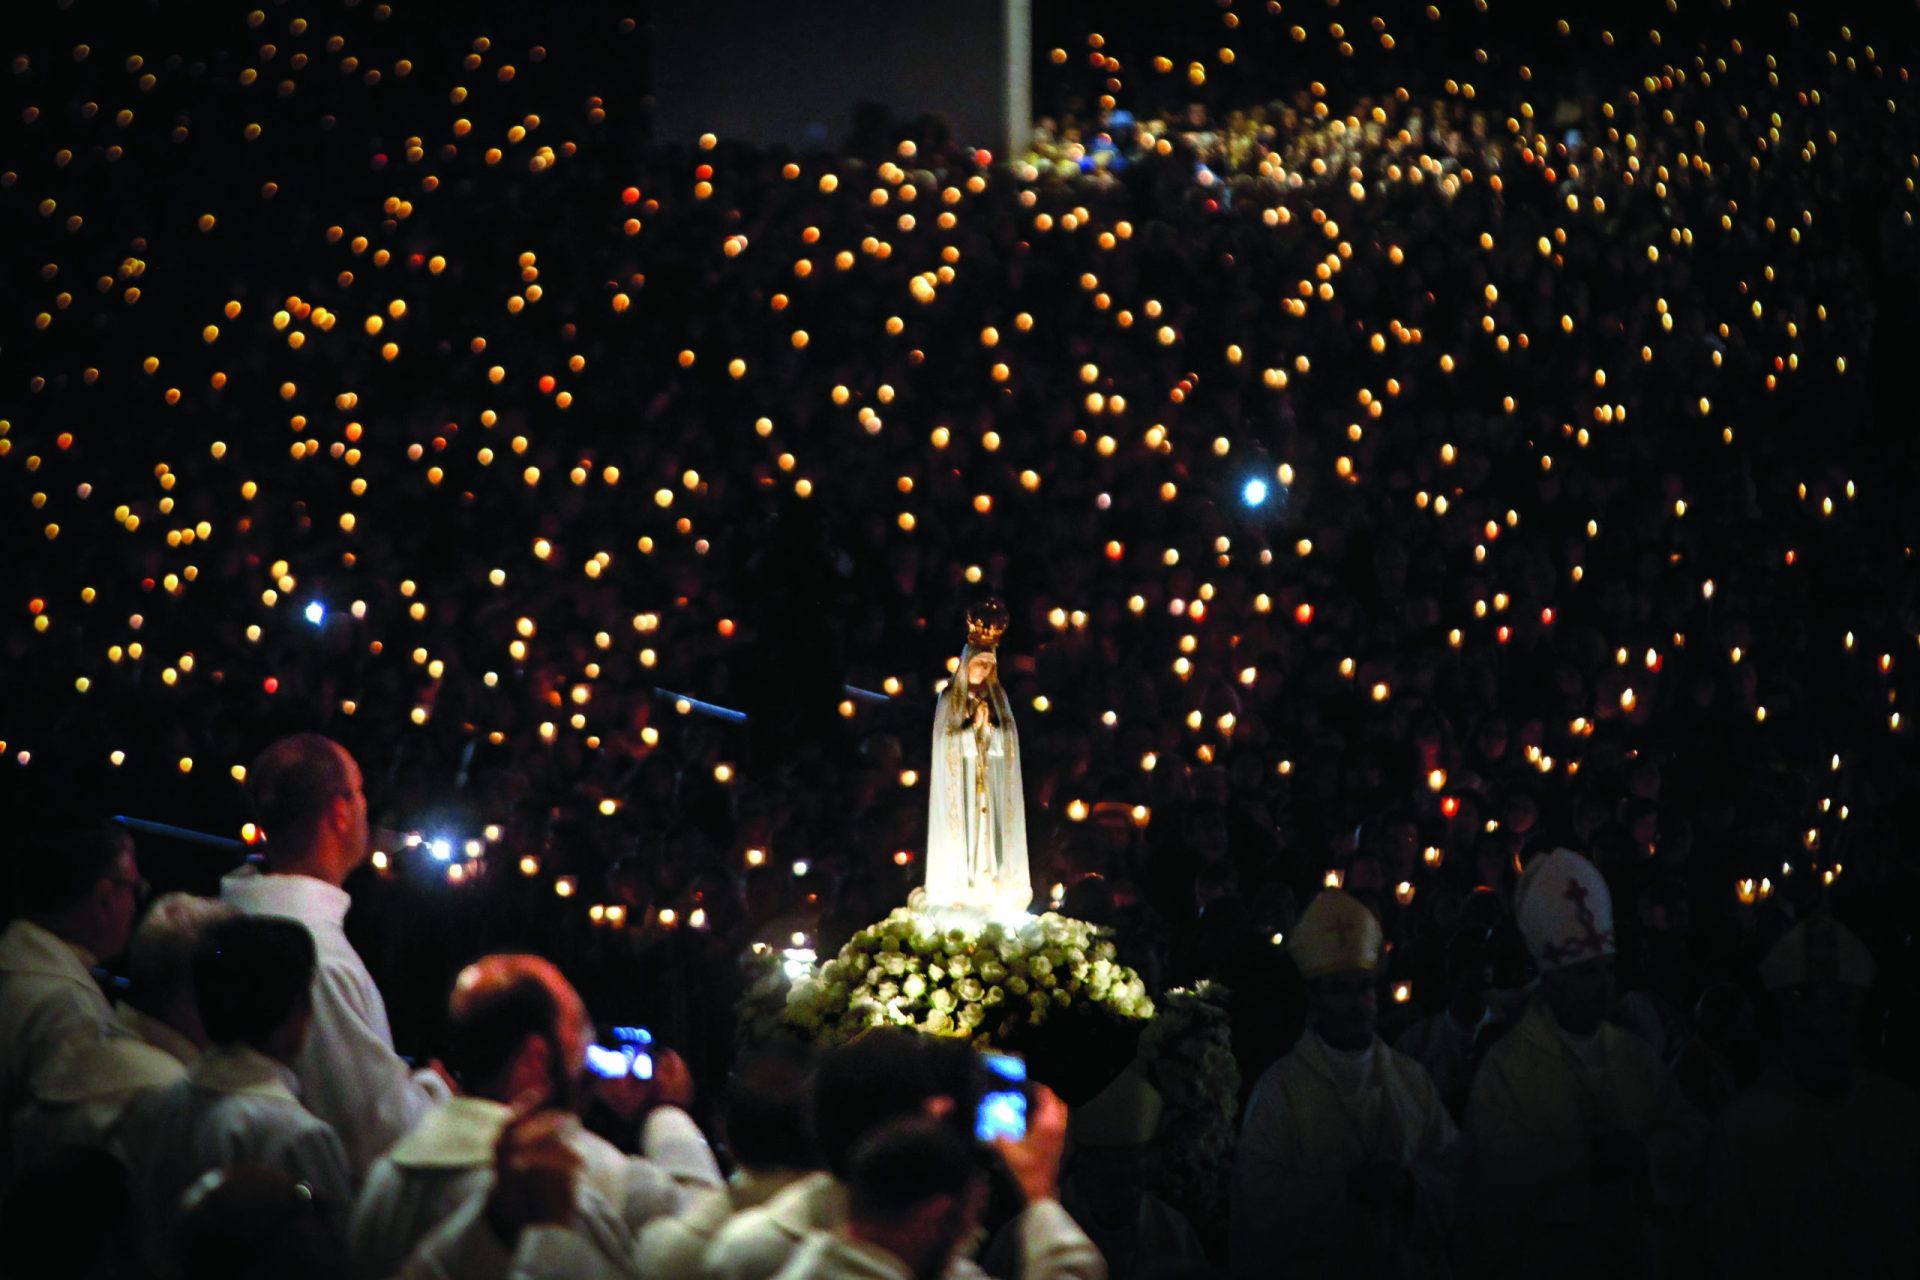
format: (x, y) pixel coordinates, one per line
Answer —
(624, 1059)
(608, 1064)
(1002, 1112)
(637, 1044)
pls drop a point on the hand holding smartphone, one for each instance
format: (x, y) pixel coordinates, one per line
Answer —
(1025, 1122)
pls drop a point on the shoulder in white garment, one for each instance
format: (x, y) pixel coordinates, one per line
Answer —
(351, 1075)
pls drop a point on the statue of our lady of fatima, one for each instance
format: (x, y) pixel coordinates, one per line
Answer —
(976, 816)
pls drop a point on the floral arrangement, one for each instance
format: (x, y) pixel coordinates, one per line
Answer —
(992, 983)
(1187, 1055)
(761, 1014)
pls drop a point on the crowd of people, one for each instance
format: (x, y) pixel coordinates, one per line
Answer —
(1408, 447)
(243, 1112)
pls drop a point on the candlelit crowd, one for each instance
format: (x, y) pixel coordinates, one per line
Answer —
(1454, 510)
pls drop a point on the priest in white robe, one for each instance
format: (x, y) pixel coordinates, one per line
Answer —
(1815, 1169)
(765, 1121)
(155, 1039)
(519, 1030)
(860, 1086)
(1346, 1153)
(915, 1195)
(757, 1243)
(240, 1103)
(1104, 1187)
(307, 793)
(527, 1224)
(1580, 1148)
(78, 897)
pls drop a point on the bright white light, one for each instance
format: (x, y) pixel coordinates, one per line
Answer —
(797, 962)
(442, 849)
(1254, 492)
(801, 867)
(316, 613)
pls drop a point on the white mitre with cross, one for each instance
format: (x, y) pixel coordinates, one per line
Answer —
(1564, 910)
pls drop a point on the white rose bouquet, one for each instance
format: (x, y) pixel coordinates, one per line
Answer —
(990, 983)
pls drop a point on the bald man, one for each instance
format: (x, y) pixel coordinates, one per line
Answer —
(306, 792)
(518, 1035)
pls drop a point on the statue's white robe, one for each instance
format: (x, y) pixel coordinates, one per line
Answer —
(976, 842)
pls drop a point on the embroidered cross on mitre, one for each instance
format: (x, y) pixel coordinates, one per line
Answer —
(1591, 942)
(1344, 929)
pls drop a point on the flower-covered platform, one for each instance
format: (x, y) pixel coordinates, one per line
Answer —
(1049, 987)
(992, 981)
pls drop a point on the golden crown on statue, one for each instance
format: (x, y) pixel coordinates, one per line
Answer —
(986, 623)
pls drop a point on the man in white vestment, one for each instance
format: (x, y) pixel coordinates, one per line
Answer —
(518, 1033)
(915, 1192)
(527, 1224)
(307, 795)
(766, 1133)
(1815, 1169)
(78, 894)
(253, 977)
(1580, 1148)
(1104, 1186)
(1346, 1153)
(883, 1075)
(156, 1039)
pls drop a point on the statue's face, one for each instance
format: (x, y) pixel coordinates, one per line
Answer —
(980, 668)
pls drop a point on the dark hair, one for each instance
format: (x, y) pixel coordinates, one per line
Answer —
(904, 1164)
(880, 1075)
(485, 1032)
(250, 975)
(767, 1109)
(69, 856)
(1468, 950)
(292, 782)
